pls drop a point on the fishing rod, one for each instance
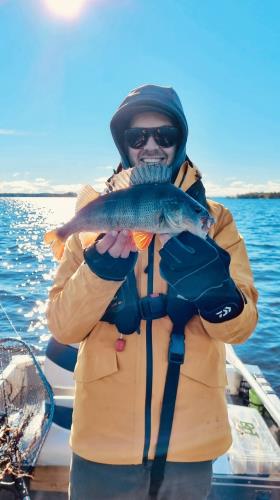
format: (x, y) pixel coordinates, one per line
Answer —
(9, 320)
(270, 401)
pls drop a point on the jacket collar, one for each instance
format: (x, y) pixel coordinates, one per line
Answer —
(188, 174)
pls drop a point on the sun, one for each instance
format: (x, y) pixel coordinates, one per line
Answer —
(67, 9)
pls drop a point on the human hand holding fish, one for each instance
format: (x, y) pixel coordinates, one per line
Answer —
(117, 244)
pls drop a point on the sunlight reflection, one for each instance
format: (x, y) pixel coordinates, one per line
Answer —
(66, 9)
(26, 264)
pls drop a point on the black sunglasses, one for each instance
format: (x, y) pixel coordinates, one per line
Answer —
(165, 137)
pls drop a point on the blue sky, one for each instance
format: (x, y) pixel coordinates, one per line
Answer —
(62, 80)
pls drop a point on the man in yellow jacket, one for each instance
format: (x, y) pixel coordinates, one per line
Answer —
(150, 411)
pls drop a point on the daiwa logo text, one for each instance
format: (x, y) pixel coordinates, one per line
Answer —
(224, 312)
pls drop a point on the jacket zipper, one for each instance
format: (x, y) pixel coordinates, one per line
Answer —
(149, 356)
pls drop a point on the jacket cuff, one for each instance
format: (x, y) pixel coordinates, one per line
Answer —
(222, 304)
(107, 267)
(236, 330)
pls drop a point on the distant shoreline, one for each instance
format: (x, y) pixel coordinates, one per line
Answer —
(38, 195)
(74, 195)
(256, 196)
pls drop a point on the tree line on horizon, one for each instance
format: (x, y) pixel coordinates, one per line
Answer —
(74, 195)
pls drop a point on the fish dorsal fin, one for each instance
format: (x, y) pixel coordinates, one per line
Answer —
(144, 174)
(85, 196)
(119, 181)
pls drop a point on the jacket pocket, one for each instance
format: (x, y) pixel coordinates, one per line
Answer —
(211, 380)
(205, 361)
(95, 362)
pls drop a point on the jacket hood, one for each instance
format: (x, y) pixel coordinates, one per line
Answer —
(150, 98)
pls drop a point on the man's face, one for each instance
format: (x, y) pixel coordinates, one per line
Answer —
(151, 152)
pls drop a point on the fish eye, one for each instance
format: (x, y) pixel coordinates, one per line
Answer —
(198, 210)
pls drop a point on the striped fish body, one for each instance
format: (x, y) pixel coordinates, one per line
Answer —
(154, 208)
(141, 199)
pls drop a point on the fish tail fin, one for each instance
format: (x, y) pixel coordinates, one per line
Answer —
(142, 240)
(57, 245)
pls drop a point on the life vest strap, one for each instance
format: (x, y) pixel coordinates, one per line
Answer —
(180, 312)
(176, 357)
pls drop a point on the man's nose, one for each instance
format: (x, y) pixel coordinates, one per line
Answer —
(151, 143)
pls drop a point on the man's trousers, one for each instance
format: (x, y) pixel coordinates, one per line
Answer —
(94, 481)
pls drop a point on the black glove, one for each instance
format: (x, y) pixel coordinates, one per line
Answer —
(199, 271)
(107, 267)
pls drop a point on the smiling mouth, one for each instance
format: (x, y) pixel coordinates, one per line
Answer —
(152, 160)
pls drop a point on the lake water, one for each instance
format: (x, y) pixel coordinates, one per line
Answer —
(27, 270)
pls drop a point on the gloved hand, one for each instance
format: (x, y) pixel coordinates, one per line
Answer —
(199, 271)
(112, 256)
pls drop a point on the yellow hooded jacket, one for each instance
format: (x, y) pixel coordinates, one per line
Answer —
(110, 387)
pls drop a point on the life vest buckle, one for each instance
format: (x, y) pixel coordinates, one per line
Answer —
(176, 353)
(153, 306)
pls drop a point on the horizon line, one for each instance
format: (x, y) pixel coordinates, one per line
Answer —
(73, 194)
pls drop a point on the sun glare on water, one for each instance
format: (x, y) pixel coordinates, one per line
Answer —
(67, 9)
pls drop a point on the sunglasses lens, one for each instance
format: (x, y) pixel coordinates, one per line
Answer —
(165, 136)
(136, 138)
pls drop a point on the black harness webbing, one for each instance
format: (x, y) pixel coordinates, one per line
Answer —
(149, 355)
(180, 312)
